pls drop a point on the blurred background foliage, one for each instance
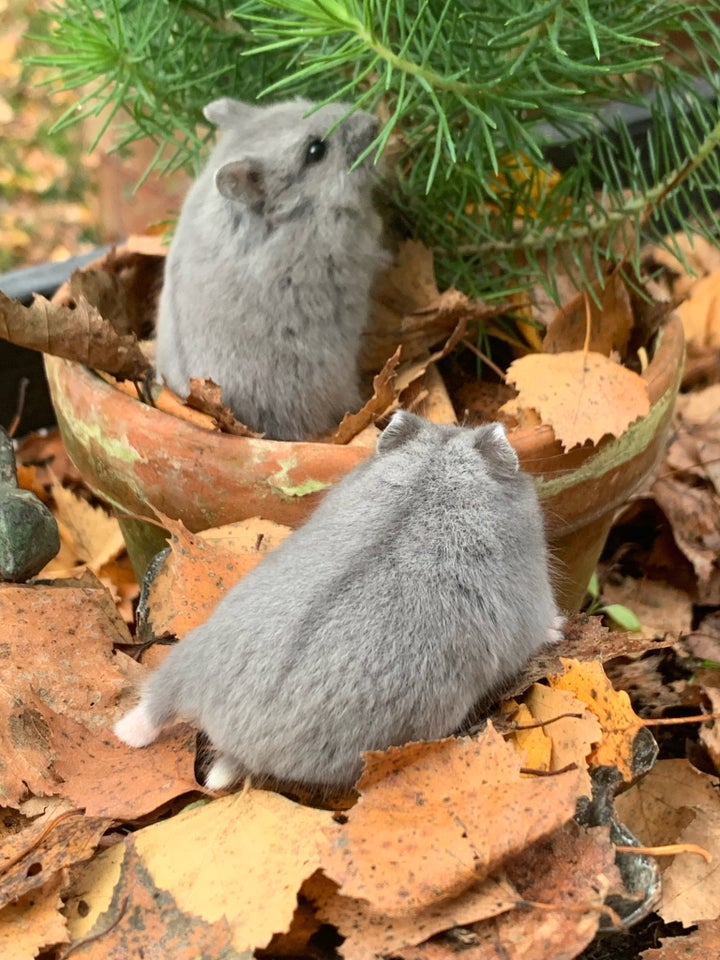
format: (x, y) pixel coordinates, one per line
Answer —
(47, 202)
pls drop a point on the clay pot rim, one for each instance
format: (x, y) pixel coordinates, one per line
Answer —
(660, 375)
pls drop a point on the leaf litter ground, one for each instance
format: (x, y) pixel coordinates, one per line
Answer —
(465, 843)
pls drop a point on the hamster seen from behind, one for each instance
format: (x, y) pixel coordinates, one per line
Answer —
(418, 587)
(267, 281)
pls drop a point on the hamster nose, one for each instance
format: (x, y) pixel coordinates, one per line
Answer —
(359, 131)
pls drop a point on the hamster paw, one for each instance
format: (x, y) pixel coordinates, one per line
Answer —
(223, 773)
(135, 728)
(555, 633)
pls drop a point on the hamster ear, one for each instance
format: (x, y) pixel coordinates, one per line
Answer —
(227, 112)
(402, 427)
(491, 442)
(241, 180)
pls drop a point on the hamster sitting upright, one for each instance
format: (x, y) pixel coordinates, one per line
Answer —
(418, 586)
(267, 282)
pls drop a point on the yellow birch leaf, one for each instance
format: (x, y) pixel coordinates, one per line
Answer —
(241, 859)
(534, 744)
(582, 396)
(32, 922)
(618, 721)
(571, 738)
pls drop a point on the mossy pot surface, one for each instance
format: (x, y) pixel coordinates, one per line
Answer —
(147, 464)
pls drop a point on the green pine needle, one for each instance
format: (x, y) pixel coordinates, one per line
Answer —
(474, 94)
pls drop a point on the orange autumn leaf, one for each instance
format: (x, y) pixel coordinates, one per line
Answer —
(582, 396)
(433, 818)
(619, 723)
(201, 567)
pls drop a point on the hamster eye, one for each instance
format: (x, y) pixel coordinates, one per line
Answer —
(315, 151)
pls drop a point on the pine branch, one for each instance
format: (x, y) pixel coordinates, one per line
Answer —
(476, 100)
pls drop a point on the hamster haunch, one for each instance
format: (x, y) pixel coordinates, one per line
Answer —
(418, 586)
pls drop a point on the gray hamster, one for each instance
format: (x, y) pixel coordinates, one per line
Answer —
(267, 281)
(417, 587)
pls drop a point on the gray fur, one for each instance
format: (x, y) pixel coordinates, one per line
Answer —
(418, 586)
(267, 282)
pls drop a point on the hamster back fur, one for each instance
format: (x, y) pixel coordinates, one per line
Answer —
(419, 584)
(268, 277)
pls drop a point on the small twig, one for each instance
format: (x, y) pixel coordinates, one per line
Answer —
(486, 360)
(22, 394)
(47, 829)
(545, 723)
(549, 773)
(98, 936)
(677, 721)
(668, 850)
(572, 908)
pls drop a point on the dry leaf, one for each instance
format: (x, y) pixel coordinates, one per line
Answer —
(165, 400)
(201, 567)
(572, 870)
(661, 608)
(380, 402)
(702, 944)
(33, 922)
(62, 635)
(55, 712)
(123, 288)
(709, 734)
(700, 313)
(44, 849)
(532, 743)
(92, 536)
(675, 803)
(408, 309)
(619, 723)
(46, 455)
(206, 396)
(370, 934)
(435, 817)
(701, 256)
(693, 510)
(581, 396)
(77, 333)
(585, 639)
(109, 779)
(141, 919)
(118, 576)
(610, 323)
(232, 868)
(571, 738)
(91, 890)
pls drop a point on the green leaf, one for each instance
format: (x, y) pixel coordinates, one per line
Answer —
(594, 587)
(622, 617)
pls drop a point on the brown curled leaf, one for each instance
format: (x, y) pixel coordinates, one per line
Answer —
(76, 333)
(206, 396)
(381, 401)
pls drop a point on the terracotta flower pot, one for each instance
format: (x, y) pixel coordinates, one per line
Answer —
(138, 458)
(147, 463)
